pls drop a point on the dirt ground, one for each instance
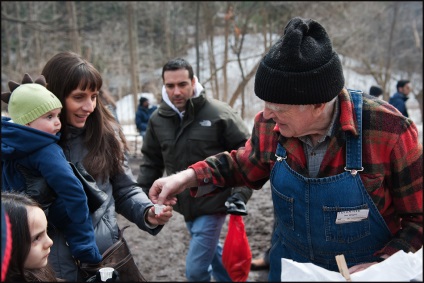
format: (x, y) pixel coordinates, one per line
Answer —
(161, 258)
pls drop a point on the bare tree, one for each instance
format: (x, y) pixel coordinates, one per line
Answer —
(369, 34)
(132, 34)
(167, 31)
(197, 39)
(6, 55)
(33, 17)
(239, 34)
(18, 50)
(73, 26)
(229, 21)
(208, 15)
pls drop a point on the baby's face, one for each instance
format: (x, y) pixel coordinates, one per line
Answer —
(49, 122)
(40, 241)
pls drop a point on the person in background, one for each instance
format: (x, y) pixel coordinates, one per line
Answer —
(376, 91)
(188, 127)
(142, 115)
(400, 97)
(109, 102)
(31, 244)
(341, 182)
(29, 143)
(92, 137)
(261, 263)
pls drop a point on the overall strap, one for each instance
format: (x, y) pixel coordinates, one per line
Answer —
(354, 143)
(280, 153)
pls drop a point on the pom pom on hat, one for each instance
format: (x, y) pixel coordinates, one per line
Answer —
(301, 67)
(30, 100)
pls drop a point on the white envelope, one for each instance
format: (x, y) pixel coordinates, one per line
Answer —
(399, 267)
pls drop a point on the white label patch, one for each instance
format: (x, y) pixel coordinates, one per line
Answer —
(351, 216)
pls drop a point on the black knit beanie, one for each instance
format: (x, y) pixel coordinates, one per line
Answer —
(301, 67)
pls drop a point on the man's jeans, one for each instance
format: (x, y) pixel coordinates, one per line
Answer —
(204, 257)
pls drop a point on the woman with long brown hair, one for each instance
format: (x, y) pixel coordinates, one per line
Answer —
(92, 137)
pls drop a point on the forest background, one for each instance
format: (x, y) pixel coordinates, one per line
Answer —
(378, 42)
(130, 41)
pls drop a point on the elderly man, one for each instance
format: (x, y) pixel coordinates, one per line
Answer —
(345, 169)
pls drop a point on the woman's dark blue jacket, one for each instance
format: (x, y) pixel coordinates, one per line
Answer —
(39, 152)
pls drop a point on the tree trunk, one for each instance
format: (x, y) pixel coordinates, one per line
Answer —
(5, 32)
(36, 35)
(73, 26)
(243, 84)
(132, 33)
(210, 34)
(418, 45)
(197, 40)
(388, 67)
(19, 59)
(167, 31)
(238, 47)
(229, 17)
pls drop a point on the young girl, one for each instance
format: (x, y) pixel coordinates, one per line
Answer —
(31, 244)
(92, 137)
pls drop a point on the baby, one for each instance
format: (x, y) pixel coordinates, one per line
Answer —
(29, 144)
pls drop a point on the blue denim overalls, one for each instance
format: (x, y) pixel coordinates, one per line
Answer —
(306, 210)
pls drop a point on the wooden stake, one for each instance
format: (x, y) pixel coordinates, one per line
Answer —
(341, 263)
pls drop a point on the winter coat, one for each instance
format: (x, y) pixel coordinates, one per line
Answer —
(124, 197)
(398, 100)
(40, 154)
(208, 127)
(142, 117)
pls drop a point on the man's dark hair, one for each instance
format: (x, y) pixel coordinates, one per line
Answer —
(178, 64)
(401, 83)
(376, 91)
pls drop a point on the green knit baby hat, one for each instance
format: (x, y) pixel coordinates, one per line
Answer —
(30, 100)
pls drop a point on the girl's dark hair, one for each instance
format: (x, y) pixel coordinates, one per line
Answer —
(67, 71)
(15, 205)
(178, 64)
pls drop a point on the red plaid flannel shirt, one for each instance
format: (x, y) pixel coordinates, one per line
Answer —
(392, 161)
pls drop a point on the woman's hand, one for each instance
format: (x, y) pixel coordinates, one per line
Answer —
(161, 218)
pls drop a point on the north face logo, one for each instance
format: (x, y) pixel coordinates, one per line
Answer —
(205, 123)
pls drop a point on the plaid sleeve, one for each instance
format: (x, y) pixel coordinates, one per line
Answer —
(247, 166)
(406, 188)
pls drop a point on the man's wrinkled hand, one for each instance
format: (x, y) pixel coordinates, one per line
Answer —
(164, 190)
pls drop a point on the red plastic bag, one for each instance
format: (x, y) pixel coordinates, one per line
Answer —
(236, 254)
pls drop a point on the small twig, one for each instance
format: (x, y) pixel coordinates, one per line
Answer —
(341, 263)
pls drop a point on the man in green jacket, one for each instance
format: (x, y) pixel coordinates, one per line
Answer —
(188, 127)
